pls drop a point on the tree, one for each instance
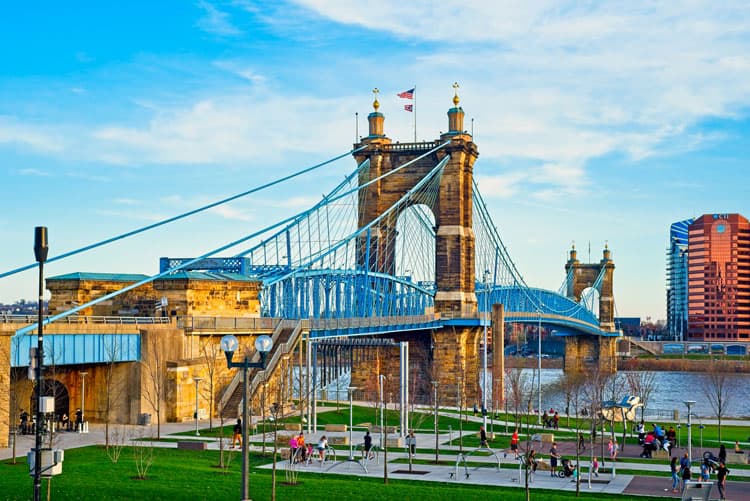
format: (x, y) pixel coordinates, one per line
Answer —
(154, 368)
(114, 386)
(641, 384)
(717, 388)
(215, 364)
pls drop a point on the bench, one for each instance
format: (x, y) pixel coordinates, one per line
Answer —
(736, 458)
(338, 440)
(335, 427)
(388, 429)
(293, 427)
(193, 445)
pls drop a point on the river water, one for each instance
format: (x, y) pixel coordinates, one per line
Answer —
(671, 390)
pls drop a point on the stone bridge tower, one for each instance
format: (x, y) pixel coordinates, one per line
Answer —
(451, 352)
(580, 349)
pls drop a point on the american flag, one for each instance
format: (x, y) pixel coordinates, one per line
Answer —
(409, 107)
(407, 94)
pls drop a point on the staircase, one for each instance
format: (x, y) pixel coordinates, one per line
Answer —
(652, 347)
(285, 337)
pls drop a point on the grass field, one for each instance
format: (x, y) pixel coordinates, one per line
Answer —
(88, 474)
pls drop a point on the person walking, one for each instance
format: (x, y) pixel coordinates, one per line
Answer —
(721, 480)
(685, 469)
(514, 443)
(553, 457)
(367, 446)
(705, 471)
(322, 446)
(531, 464)
(483, 437)
(581, 442)
(723, 453)
(292, 449)
(237, 433)
(613, 449)
(301, 447)
(595, 466)
(675, 477)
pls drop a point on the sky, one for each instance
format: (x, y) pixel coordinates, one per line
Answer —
(595, 121)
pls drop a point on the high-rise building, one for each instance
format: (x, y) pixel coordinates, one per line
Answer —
(677, 274)
(719, 278)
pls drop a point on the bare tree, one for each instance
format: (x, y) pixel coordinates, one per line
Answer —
(717, 388)
(515, 393)
(215, 364)
(114, 386)
(641, 384)
(155, 371)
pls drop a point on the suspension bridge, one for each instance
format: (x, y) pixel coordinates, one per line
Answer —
(404, 248)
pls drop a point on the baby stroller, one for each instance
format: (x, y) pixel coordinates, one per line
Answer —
(567, 468)
(713, 461)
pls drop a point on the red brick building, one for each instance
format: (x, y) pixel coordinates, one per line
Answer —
(719, 278)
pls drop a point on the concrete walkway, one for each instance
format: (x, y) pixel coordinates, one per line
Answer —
(487, 474)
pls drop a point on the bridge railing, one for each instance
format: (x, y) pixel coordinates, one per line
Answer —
(81, 319)
(330, 324)
(227, 323)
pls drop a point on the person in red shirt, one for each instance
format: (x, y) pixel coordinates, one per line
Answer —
(514, 443)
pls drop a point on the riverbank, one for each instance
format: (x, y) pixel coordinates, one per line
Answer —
(649, 363)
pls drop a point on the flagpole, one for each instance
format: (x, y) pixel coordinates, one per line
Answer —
(415, 113)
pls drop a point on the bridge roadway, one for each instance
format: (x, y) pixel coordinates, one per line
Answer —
(90, 340)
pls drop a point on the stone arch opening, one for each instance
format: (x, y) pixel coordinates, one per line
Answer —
(591, 297)
(56, 389)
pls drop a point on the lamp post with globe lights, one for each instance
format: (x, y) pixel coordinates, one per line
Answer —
(229, 345)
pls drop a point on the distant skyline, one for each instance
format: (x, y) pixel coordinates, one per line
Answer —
(601, 122)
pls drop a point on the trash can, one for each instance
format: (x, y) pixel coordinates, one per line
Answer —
(144, 419)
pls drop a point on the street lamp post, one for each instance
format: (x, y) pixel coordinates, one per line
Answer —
(351, 421)
(197, 380)
(40, 253)
(539, 366)
(689, 404)
(484, 351)
(381, 378)
(83, 400)
(229, 345)
(437, 443)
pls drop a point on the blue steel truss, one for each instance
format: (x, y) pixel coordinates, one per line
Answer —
(73, 349)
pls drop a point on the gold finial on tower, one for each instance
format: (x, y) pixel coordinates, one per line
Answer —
(606, 244)
(376, 104)
(455, 95)
(573, 244)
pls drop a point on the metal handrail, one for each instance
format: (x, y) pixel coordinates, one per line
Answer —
(86, 319)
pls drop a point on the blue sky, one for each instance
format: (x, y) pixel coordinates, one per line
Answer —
(595, 122)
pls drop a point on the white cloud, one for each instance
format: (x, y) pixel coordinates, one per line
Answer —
(33, 172)
(215, 21)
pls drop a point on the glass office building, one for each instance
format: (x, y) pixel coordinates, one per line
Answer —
(718, 279)
(677, 274)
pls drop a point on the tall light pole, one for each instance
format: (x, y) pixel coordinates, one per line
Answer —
(484, 352)
(197, 380)
(539, 366)
(229, 345)
(40, 253)
(381, 380)
(437, 444)
(83, 399)
(689, 404)
(351, 421)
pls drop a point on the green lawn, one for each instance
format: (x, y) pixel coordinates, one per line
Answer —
(181, 474)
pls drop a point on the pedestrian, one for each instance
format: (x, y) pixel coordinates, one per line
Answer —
(721, 479)
(685, 469)
(322, 446)
(301, 447)
(613, 449)
(24, 422)
(367, 446)
(483, 437)
(545, 420)
(514, 443)
(553, 457)
(705, 471)
(79, 420)
(411, 442)
(556, 421)
(595, 466)
(237, 433)
(292, 449)
(581, 442)
(641, 430)
(531, 464)
(65, 421)
(723, 454)
(675, 476)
